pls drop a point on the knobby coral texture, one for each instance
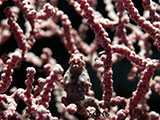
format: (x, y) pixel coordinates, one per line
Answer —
(79, 59)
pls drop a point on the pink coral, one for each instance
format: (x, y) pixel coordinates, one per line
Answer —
(100, 37)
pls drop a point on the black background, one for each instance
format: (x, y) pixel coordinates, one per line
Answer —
(120, 69)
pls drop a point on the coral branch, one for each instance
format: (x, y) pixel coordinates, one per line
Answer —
(113, 70)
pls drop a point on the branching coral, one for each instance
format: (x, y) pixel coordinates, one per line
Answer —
(122, 32)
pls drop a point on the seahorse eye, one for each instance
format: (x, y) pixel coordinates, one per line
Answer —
(72, 55)
(81, 57)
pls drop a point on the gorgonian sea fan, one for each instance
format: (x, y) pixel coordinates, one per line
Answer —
(79, 59)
